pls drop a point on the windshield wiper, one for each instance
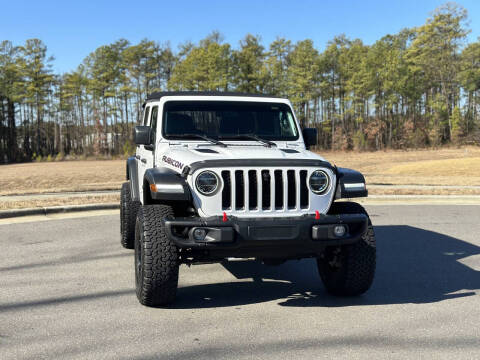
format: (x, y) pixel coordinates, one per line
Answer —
(253, 137)
(199, 136)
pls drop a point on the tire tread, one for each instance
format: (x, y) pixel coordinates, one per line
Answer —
(158, 285)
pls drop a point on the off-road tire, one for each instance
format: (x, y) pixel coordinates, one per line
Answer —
(128, 217)
(349, 270)
(156, 257)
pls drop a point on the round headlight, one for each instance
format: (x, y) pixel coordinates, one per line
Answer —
(319, 182)
(207, 183)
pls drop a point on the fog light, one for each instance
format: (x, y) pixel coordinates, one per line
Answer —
(339, 230)
(199, 234)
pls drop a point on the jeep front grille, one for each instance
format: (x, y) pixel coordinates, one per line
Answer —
(264, 189)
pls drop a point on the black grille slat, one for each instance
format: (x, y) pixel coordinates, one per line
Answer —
(239, 190)
(227, 190)
(303, 189)
(292, 189)
(278, 189)
(266, 197)
(252, 190)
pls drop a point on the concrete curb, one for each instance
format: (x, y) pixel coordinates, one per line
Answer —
(420, 196)
(4, 214)
(420, 200)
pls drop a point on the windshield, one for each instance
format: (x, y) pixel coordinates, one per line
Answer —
(229, 120)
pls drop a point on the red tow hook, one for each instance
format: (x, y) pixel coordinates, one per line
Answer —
(317, 215)
(225, 219)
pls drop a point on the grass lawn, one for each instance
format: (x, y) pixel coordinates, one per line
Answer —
(43, 177)
(420, 167)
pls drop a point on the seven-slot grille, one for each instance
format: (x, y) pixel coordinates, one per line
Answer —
(264, 189)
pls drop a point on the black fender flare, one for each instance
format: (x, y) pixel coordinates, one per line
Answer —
(168, 185)
(350, 184)
(132, 175)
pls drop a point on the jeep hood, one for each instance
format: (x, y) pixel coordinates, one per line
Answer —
(176, 158)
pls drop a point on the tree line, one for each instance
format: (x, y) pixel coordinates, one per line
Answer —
(417, 88)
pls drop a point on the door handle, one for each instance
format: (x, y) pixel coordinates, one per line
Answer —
(137, 157)
(143, 161)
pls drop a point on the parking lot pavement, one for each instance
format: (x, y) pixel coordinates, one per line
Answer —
(67, 291)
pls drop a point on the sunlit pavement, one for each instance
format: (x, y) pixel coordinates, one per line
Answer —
(67, 291)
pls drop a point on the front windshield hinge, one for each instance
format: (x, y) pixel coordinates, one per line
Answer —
(185, 171)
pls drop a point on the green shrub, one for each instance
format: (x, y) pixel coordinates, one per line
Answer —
(60, 156)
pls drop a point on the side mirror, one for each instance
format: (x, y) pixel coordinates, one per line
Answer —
(143, 135)
(309, 137)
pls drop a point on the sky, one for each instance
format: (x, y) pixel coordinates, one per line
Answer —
(73, 29)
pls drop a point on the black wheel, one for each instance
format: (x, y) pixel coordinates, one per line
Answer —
(156, 257)
(128, 217)
(348, 270)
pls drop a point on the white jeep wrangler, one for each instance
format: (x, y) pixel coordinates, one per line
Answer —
(226, 175)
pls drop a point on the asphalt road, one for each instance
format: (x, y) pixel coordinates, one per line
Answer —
(67, 291)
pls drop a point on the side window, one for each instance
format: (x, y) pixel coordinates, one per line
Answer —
(145, 116)
(153, 120)
(153, 123)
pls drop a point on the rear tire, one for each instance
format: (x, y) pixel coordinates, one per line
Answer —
(156, 257)
(349, 270)
(128, 217)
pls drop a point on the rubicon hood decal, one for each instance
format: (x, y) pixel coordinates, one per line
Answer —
(172, 162)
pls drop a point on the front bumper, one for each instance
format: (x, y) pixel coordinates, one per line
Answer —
(266, 237)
